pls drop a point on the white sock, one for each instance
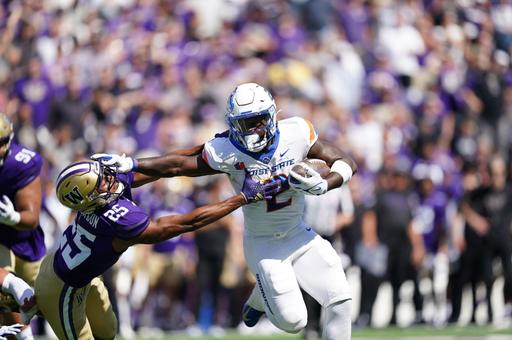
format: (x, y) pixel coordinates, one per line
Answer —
(25, 334)
(338, 324)
(255, 300)
(17, 288)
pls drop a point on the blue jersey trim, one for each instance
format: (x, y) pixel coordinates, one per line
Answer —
(263, 156)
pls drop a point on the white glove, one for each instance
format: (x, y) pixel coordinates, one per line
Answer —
(8, 215)
(123, 163)
(313, 185)
(10, 330)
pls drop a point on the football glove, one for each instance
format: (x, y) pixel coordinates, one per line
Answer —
(122, 162)
(314, 184)
(8, 215)
(254, 191)
(6, 331)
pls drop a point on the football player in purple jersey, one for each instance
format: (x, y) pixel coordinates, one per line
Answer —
(20, 204)
(69, 292)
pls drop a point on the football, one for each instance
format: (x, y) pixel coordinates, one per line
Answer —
(316, 164)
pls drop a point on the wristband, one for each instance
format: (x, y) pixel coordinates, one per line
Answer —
(135, 165)
(343, 169)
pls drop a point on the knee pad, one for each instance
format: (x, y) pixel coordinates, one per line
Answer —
(291, 321)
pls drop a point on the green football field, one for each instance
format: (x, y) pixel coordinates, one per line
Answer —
(416, 333)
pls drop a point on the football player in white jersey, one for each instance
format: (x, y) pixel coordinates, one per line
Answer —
(281, 250)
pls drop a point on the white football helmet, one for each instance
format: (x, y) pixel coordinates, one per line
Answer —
(6, 135)
(251, 115)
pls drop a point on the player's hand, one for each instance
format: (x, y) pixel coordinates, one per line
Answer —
(279, 183)
(10, 330)
(122, 162)
(312, 185)
(256, 191)
(8, 215)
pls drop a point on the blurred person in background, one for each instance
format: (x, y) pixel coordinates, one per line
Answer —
(22, 240)
(429, 221)
(491, 217)
(390, 248)
(211, 245)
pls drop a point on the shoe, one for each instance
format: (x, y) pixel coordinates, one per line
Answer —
(250, 316)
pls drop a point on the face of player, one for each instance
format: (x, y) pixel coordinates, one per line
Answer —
(255, 125)
(108, 184)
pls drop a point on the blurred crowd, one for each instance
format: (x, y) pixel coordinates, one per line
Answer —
(419, 93)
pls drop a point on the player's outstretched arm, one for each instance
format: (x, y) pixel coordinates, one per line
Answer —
(167, 227)
(184, 162)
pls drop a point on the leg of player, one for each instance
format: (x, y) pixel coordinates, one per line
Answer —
(338, 324)
(63, 306)
(320, 273)
(99, 311)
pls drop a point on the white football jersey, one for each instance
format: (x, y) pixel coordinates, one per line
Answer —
(292, 142)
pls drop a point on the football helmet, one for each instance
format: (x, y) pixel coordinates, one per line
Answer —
(6, 135)
(251, 116)
(87, 185)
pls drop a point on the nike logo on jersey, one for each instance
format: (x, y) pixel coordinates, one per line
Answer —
(308, 228)
(284, 153)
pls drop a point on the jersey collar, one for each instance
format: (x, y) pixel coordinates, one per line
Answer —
(262, 156)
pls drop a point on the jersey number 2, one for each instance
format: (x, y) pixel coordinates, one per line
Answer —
(274, 205)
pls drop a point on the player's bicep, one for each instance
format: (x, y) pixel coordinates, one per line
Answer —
(329, 153)
(28, 199)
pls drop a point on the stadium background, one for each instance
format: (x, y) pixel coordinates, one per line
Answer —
(396, 84)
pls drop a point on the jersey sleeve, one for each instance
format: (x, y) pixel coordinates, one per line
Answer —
(214, 156)
(126, 178)
(129, 219)
(29, 164)
(307, 132)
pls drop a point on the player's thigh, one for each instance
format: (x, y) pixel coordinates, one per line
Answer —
(281, 294)
(320, 273)
(6, 258)
(27, 270)
(99, 311)
(62, 306)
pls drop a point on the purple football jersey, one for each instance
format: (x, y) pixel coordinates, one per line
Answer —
(21, 167)
(85, 249)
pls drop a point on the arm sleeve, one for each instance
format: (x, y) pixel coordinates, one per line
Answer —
(28, 172)
(130, 224)
(213, 155)
(308, 132)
